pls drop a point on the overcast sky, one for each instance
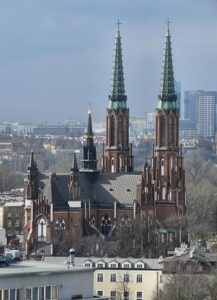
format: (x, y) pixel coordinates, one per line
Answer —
(56, 55)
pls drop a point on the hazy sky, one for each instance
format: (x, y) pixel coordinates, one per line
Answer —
(56, 55)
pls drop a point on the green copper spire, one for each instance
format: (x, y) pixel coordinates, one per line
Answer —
(167, 97)
(117, 97)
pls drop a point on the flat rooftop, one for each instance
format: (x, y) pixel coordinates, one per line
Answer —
(32, 267)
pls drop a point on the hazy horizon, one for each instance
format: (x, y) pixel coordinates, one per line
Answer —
(56, 57)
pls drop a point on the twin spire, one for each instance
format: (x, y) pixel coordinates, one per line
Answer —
(167, 96)
(117, 97)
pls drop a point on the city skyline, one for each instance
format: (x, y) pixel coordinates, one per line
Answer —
(55, 55)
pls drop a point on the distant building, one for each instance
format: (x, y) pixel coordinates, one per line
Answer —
(58, 129)
(138, 125)
(200, 109)
(68, 128)
(13, 214)
(187, 129)
(190, 105)
(3, 240)
(151, 122)
(22, 128)
(178, 94)
(206, 114)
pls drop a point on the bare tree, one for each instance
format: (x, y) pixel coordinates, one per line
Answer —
(189, 287)
(123, 290)
(201, 186)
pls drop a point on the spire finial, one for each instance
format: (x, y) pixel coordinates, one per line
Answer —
(118, 24)
(89, 133)
(168, 22)
(89, 109)
(168, 96)
(117, 97)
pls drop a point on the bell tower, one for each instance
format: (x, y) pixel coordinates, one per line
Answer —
(167, 161)
(163, 183)
(117, 153)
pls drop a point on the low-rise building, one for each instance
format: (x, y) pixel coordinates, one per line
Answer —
(11, 219)
(122, 278)
(33, 280)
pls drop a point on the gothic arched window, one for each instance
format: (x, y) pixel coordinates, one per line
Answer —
(126, 221)
(93, 221)
(60, 224)
(112, 165)
(112, 131)
(106, 224)
(42, 230)
(171, 130)
(120, 130)
(163, 193)
(163, 131)
(162, 167)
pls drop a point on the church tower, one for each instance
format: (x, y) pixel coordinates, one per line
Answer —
(32, 179)
(167, 161)
(117, 153)
(164, 180)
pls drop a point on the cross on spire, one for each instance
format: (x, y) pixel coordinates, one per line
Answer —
(168, 26)
(118, 23)
(168, 95)
(168, 22)
(89, 108)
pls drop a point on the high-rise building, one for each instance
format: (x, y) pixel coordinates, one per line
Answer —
(178, 95)
(200, 109)
(190, 105)
(206, 114)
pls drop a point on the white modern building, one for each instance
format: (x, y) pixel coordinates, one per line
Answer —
(200, 111)
(206, 114)
(33, 280)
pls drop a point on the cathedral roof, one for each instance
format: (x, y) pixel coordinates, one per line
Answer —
(102, 192)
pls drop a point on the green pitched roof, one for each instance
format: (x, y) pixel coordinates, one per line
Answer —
(167, 97)
(117, 97)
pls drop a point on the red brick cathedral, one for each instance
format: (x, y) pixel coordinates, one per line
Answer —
(87, 200)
